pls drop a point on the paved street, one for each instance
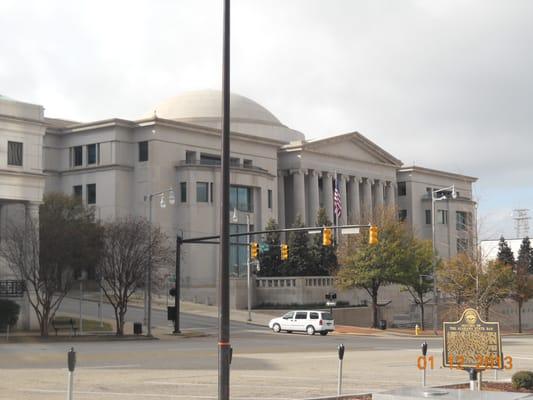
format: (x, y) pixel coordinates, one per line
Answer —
(265, 365)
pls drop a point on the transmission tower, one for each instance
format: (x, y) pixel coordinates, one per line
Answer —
(521, 222)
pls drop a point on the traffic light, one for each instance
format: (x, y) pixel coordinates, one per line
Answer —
(172, 292)
(373, 235)
(284, 252)
(327, 239)
(254, 250)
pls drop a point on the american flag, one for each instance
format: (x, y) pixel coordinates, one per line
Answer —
(337, 204)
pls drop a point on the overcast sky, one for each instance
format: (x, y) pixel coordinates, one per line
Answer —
(442, 84)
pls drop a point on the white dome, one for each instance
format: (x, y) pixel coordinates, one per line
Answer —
(204, 107)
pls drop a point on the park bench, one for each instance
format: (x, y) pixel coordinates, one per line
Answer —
(69, 324)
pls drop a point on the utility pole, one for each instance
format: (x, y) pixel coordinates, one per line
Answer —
(224, 346)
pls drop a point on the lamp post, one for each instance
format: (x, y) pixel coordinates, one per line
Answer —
(148, 276)
(235, 218)
(434, 199)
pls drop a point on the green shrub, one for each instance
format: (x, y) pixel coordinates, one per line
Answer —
(9, 313)
(523, 379)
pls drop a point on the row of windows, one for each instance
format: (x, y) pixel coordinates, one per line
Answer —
(14, 153)
(90, 191)
(92, 155)
(402, 190)
(463, 219)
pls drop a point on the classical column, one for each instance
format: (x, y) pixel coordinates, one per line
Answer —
(299, 194)
(327, 193)
(354, 206)
(378, 201)
(314, 200)
(342, 189)
(391, 201)
(367, 200)
(281, 199)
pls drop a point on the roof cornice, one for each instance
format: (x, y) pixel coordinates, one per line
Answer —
(423, 170)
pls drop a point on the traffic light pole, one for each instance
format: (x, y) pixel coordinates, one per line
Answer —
(179, 241)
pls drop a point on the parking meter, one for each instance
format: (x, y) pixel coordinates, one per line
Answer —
(424, 349)
(340, 349)
(71, 359)
(71, 363)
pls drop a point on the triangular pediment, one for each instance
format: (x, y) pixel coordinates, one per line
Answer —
(353, 146)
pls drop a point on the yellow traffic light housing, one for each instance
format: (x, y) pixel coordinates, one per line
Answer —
(284, 252)
(373, 235)
(327, 237)
(254, 250)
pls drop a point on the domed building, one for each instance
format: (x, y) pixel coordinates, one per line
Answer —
(115, 164)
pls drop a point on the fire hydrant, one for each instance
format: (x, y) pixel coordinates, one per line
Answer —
(417, 330)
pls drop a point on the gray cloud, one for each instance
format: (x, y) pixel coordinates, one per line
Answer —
(446, 84)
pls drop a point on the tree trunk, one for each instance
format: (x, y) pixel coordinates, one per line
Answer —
(520, 316)
(422, 315)
(374, 308)
(44, 323)
(117, 321)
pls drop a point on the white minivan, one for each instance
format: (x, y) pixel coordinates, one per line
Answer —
(304, 321)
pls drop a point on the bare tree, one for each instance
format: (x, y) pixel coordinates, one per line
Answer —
(127, 246)
(48, 253)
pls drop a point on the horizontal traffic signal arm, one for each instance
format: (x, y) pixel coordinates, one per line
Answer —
(212, 239)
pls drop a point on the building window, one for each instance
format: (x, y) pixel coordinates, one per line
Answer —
(77, 156)
(429, 191)
(14, 153)
(143, 151)
(462, 245)
(91, 193)
(92, 154)
(247, 163)
(235, 162)
(238, 251)
(77, 191)
(442, 217)
(183, 192)
(202, 189)
(211, 191)
(241, 198)
(269, 198)
(190, 157)
(402, 189)
(209, 159)
(463, 220)
(428, 217)
(402, 215)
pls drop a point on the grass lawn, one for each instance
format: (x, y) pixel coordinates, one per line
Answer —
(89, 325)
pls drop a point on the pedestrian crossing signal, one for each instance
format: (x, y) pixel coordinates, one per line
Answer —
(254, 250)
(327, 237)
(284, 252)
(373, 235)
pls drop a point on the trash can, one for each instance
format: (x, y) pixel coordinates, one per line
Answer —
(382, 324)
(137, 328)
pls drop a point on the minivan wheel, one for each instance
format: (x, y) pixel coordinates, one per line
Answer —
(310, 330)
(276, 328)
(324, 333)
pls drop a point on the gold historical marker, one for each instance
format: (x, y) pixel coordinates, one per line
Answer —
(473, 343)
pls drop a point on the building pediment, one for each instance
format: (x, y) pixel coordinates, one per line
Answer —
(352, 146)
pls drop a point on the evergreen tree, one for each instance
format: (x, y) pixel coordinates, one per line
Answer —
(505, 254)
(269, 261)
(299, 255)
(523, 288)
(525, 255)
(323, 258)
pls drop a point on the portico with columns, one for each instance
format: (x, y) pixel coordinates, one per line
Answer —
(364, 173)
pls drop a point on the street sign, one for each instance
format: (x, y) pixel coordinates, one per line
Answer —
(331, 303)
(472, 343)
(349, 231)
(263, 247)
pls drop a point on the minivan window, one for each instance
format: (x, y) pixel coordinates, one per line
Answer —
(288, 315)
(314, 315)
(327, 316)
(301, 315)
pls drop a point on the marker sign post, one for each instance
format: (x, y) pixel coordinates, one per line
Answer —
(472, 344)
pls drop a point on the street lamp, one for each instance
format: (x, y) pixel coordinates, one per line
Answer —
(435, 198)
(235, 219)
(148, 276)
